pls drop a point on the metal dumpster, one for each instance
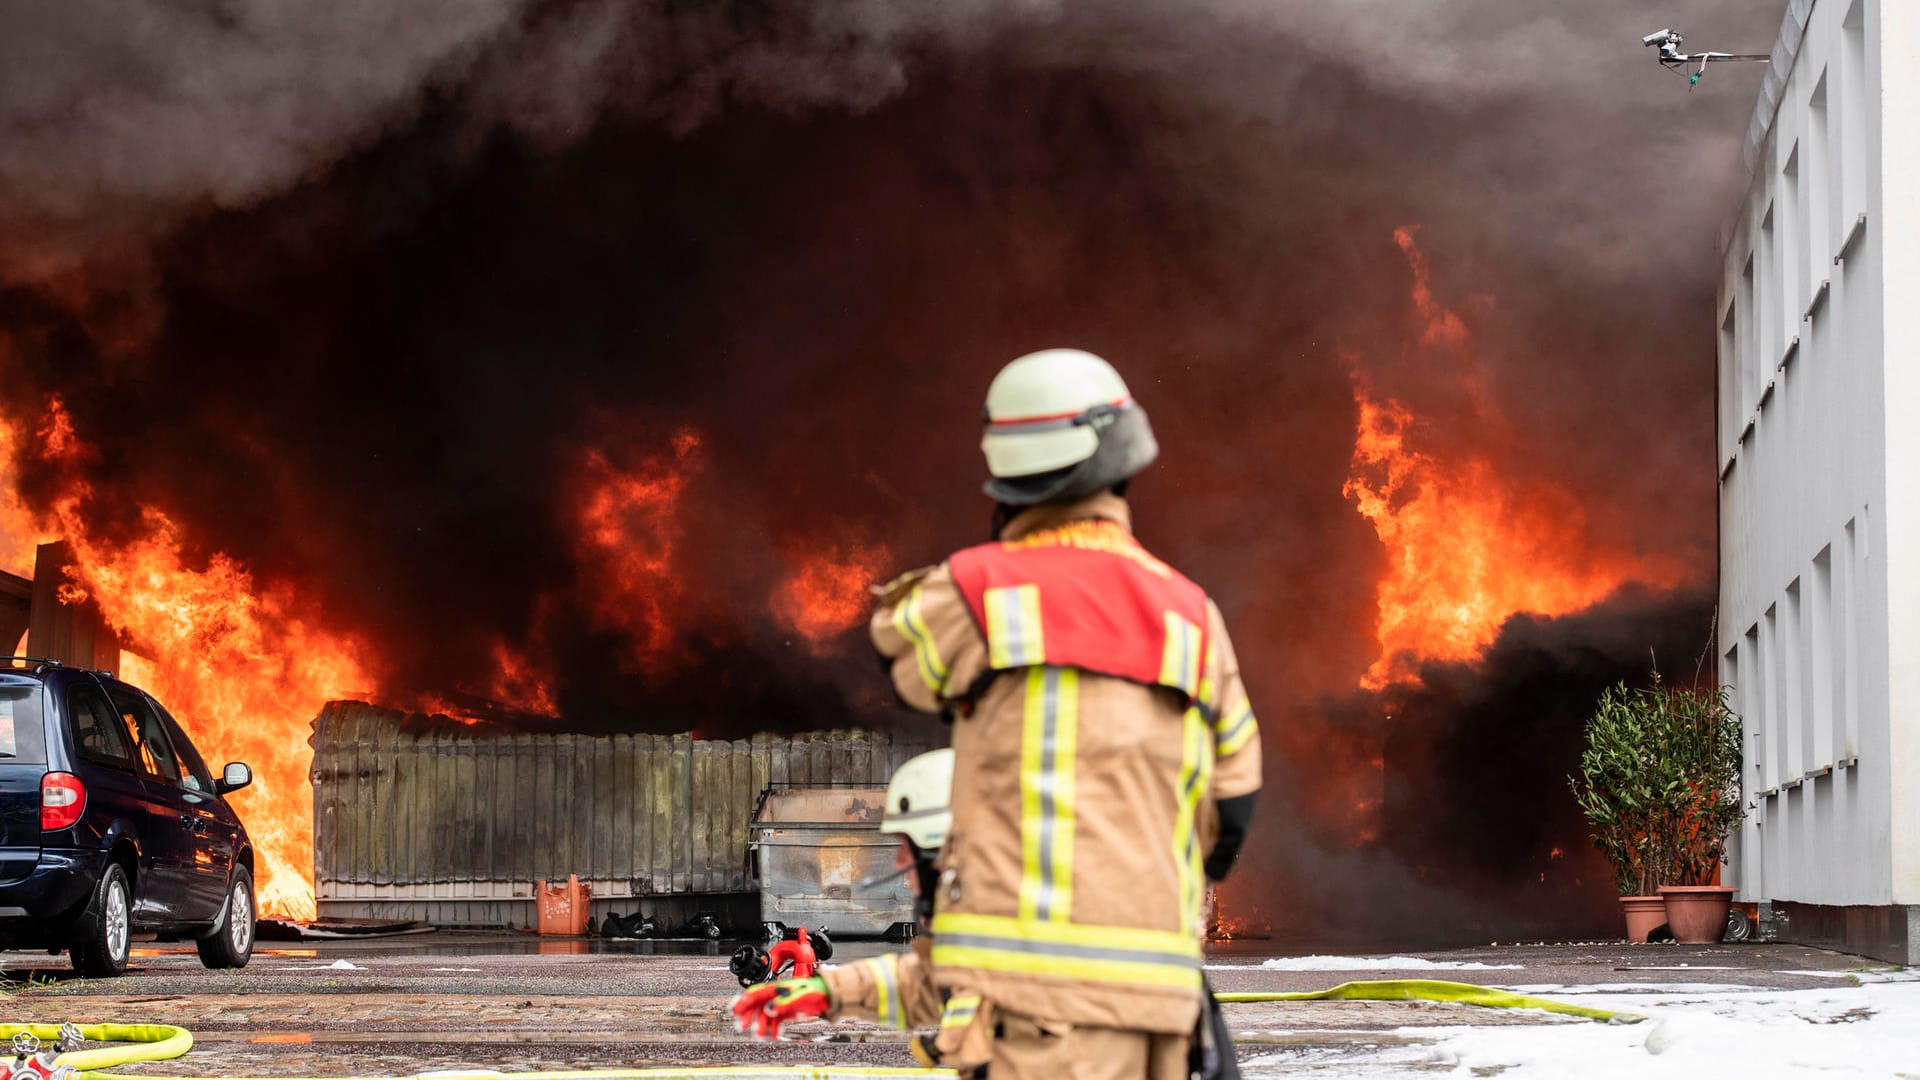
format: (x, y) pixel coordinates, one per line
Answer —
(813, 846)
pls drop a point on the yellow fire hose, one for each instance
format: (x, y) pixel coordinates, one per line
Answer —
(1436, 990)
(164, 1042)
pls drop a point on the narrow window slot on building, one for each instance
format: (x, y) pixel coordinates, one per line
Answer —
(1792, 236)
(1817, 187)
(1749, 345)
(1753, 709)
(1767, 297)
(1792, 665)
(1729, 382)
(1770, 699)
(1852, 587)
(1823, 702)
(1856, 121)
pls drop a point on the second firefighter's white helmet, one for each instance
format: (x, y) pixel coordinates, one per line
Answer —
(919, 800)
(1061, 425)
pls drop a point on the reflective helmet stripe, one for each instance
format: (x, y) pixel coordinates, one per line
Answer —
(1014, 425)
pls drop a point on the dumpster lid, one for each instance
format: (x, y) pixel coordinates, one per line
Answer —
(819, 804)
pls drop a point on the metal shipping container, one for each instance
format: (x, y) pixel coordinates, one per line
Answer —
(813, 846)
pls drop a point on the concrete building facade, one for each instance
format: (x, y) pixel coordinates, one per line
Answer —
(1818, 442)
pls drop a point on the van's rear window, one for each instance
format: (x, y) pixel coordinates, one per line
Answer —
(22, 736)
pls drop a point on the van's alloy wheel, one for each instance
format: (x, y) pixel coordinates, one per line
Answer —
(106, 930)
(229, 941)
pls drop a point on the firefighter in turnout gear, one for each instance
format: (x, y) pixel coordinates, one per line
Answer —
(1106, 757)
(896, 989)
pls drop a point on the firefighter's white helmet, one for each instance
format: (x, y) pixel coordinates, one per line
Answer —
(1060, 425)
(919, 800)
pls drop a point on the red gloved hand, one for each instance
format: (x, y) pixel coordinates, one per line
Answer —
(762, 1008)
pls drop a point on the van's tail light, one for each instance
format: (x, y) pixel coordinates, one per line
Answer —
(63, 798)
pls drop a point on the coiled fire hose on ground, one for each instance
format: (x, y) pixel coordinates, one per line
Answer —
(163, 1042)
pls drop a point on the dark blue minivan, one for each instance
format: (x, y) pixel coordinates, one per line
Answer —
(111, 825)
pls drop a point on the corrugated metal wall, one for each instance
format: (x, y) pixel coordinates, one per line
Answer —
(416, 817)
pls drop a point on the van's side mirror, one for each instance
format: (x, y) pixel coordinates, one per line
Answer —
(234, 777)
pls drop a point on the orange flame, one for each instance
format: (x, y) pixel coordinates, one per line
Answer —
(241, 666)
(826, 593)
(521, 683)
(21, 531)
(1467, 547)
(626, 541)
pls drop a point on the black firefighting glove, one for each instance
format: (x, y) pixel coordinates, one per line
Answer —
(1235, 815)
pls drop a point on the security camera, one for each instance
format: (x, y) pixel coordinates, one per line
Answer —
(1661, 37)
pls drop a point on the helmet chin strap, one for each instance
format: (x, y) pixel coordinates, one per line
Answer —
(928, 879)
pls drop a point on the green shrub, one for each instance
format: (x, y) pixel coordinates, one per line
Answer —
(1659, 784)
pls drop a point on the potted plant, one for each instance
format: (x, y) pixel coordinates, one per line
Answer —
(1619, 792)
(1659, 785)
(1700, 779)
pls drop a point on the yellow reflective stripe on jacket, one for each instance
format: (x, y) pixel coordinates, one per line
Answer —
(1048, 736)
(1180, 660)
(1107, 954)
(912, 625)
(960, 1010)
(1207, 690)
(1014, 634)
(1232, 732)
(886, 989)
(1196, 769)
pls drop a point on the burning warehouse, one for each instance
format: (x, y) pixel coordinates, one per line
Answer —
(576, 368)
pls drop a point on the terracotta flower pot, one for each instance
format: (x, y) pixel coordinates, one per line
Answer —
(1645, 914)
(1697, 914)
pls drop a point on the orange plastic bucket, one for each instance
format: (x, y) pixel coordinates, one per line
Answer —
(562, 907)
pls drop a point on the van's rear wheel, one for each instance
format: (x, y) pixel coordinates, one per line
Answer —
(106, 930)
(230, 942)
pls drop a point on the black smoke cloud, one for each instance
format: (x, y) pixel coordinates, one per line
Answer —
(1475, 835)
(349, 296)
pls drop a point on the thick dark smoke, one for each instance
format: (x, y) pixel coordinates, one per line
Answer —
(1475, 836)
(353, 295)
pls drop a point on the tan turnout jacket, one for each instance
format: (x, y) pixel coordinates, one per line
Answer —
(896, 989)
(1093, 793)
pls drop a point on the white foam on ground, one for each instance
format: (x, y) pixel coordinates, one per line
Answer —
(1868, 1030)
(1377, 963)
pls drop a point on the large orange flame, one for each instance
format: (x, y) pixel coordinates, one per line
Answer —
(1467, 546)
(825, 594)
(21, 531)
(241, 665)
(627, 535)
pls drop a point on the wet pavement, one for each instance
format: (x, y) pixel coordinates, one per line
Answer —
(403, 1005)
